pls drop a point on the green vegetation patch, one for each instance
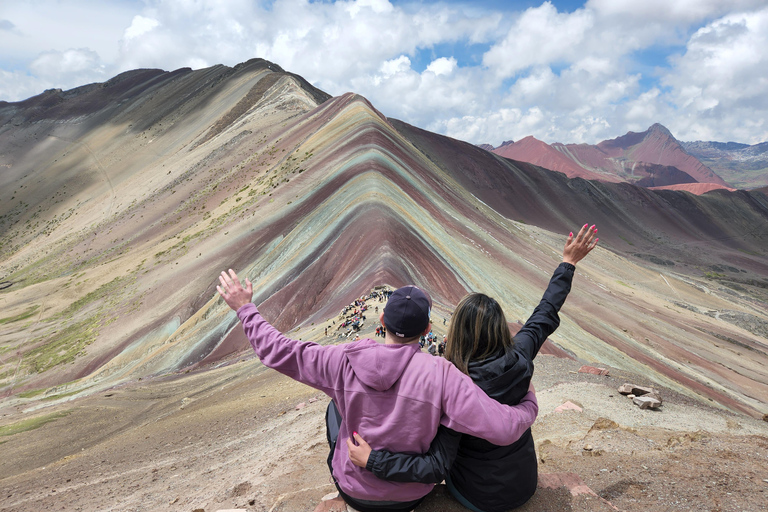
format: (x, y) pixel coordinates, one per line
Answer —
(62, 347)
(31, 423)
(31, 393)
(22, 316)
(107, 290)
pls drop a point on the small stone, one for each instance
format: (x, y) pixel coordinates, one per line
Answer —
(645, 402)
(765, 417)
(630, 396)
(568, 406)
(592, 370)
(625, 388)
(301, 406)
(604, 424)
(653, 394)
(588, 447)
(642, 390)
(313, 400)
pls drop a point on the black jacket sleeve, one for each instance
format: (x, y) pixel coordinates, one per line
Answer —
(545, 320)
(429, 468)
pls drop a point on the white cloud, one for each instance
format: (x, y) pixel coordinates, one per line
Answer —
(541, 36)
(140, 26)
(723, 78)
(560, 76)
(442, 66)
(669, 12)
(68, 65)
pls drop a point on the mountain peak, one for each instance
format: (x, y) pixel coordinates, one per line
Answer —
(660, 129)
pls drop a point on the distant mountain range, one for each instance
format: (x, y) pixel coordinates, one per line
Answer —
(650, 159)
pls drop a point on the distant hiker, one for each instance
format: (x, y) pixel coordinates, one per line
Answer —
(393, 392)
(483, 476)
(326, 331)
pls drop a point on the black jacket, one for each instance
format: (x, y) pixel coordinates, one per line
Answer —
(493, 478)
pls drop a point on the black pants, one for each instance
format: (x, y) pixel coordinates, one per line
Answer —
(332, 425)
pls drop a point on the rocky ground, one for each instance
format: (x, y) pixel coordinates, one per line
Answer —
(243, 436)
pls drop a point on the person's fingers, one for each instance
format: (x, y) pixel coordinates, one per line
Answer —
(582, 233)
(350, 444)
(221, 292)
(590, 234)
(234, 276)
(225, 280)
(360, 440)
(248, 285)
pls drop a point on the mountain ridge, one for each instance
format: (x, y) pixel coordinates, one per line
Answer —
(322, 199)
(617, 159)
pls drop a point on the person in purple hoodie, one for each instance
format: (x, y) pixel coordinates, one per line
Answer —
(485, 476)
(394, 392)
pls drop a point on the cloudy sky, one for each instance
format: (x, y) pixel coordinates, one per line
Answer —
(481, 70)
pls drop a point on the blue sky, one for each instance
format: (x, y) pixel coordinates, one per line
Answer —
(481, 71)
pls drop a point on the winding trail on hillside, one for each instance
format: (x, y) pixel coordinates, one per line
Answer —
(100, 167)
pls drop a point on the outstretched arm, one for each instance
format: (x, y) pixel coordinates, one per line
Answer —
(428, 468)
(304, 361)
(545, 320)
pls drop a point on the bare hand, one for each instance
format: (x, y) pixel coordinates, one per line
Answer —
(358, 453)
(578, 247)
(233, 292)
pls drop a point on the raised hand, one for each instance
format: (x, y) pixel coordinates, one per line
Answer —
(578, 247)
(233, 292)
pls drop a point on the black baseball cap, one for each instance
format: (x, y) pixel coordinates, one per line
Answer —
(407, 312)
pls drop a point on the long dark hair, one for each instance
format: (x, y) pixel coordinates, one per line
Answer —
(478, 330)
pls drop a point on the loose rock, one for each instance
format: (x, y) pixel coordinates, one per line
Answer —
(645, 402)
(604, 424)
(593, 370)
(568, 406)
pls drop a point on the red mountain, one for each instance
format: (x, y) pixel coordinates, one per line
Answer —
(554, 157)
(650, 158)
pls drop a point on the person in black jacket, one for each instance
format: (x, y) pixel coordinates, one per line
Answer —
(482, 476)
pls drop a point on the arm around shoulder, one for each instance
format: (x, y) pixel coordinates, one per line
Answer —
(467, 409)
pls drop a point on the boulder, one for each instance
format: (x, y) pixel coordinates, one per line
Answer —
(633, 391)
(646, 402)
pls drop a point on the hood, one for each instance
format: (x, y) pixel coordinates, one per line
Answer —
(504, 378)
(379, 366)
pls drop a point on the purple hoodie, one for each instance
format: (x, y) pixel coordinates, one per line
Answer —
(395, 395)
